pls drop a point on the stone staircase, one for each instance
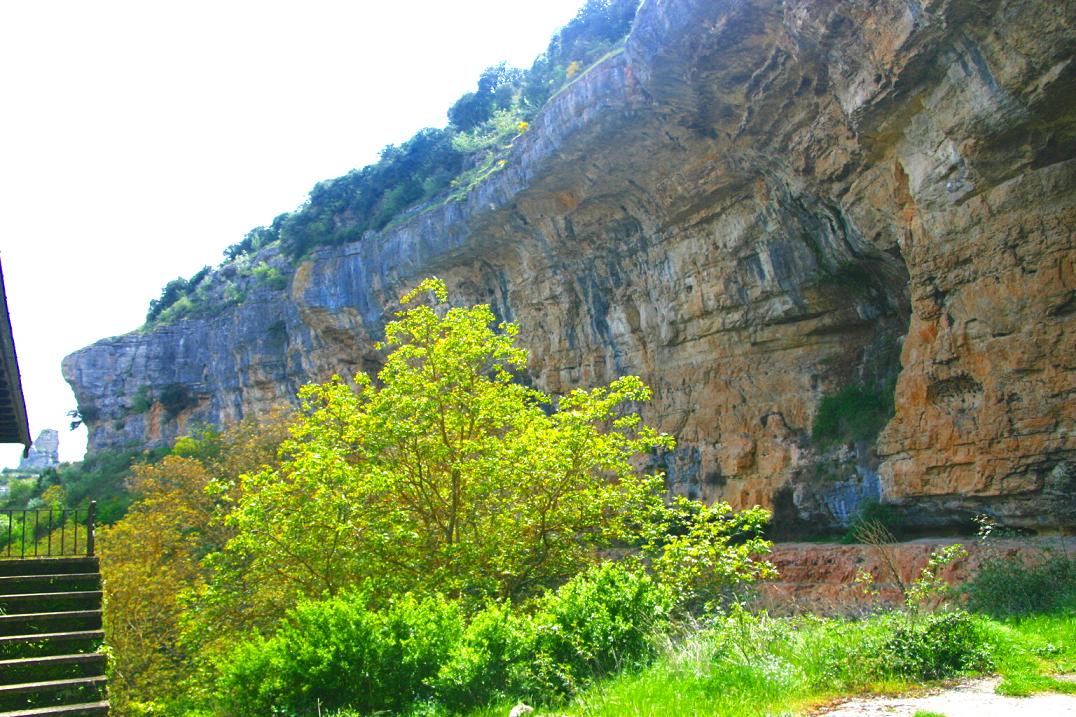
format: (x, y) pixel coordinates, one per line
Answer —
(50, 632)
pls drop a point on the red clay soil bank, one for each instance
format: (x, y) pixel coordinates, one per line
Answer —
(822, 576)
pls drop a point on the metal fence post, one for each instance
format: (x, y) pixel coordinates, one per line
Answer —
(89, 527)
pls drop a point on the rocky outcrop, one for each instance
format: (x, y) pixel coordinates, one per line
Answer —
(44, 452)
(755, 204)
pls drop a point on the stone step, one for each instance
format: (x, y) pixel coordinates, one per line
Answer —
(25, 669)
(49, 643)
(12, 603)
(26, 623)
(45, 693)
(13, 584)
(53, 636)
(48, 566)
(86, 709)
(52, 685)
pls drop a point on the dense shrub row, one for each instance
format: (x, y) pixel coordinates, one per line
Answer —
(340, 653)
(423, 656)
(426, 656)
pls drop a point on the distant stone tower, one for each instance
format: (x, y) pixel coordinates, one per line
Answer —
(44, 453)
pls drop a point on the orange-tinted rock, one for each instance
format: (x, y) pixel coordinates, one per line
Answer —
(823, 576)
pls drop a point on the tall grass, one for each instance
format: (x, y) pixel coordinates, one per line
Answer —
(1030, 650)
(750, 665)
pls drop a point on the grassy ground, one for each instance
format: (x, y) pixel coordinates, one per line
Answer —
(783, 666)
(1031, 650)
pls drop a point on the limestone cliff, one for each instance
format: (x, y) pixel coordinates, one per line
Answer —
(753, 205)
(44, 453)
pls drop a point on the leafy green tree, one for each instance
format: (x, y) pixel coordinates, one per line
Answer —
(496, 89)
(448, 474)
(151, 557)
(706, 554)
(172, 292)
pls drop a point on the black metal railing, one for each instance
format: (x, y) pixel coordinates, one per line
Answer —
(47, 532)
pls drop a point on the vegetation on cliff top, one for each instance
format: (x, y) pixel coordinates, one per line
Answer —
(435, 163)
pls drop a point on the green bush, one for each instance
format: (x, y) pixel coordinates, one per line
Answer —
(269, 276)
(341, 654)
(337, 653)
(490, 660)
(707, 555)
(183, 308)
(497, 131)
(585, 39)
(175, 397)
(100, 476)
(780, 655)
(1017, 585)
(839, 654)
(496, 90)
(84, 414)
(937, 646)
(873, 513)
(177, 298)
(142, 400)
(855, 413)
(172, 292)
(342, 209)
(20, 491)
(600, 622)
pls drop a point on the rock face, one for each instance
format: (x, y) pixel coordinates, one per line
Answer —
(822, 577)
(44, 452)
(755, 204)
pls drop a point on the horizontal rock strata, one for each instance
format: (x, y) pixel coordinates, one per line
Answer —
(823, 577)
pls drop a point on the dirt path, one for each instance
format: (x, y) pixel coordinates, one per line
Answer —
(971, 699)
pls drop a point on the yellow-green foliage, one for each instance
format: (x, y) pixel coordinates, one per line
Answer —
(151, 557)
(447, 474)
(497, 132)
(269, 275)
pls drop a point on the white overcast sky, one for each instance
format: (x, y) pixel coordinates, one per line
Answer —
(139, 139)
